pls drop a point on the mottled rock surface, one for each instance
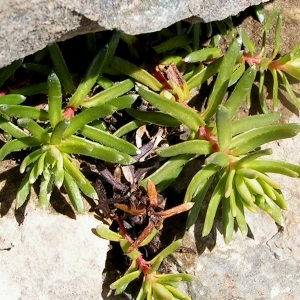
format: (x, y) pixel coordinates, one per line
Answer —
(29, 26)
(50, 256)
(264, 265)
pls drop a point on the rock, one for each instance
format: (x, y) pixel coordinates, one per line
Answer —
(264, 265)
(29, 26)
(50, 256)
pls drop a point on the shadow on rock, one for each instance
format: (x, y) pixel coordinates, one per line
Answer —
(12, 178)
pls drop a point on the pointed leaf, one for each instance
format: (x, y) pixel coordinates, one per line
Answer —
(99, 63)
(184, 114)
(61, 68)
(136, 73)
(168, 172)
(12, 99)
(11, 129)
(198, 147)
(154, 117)
(35, 129)
(108, 234)
(223, 123)
(24, 112)
(109, 140)
(16, 145)
(222, 81)
(54, 100)
(73, 193)
(252, 139)
(77, 145)
(242, 88)
(112, 92)
(23, 191)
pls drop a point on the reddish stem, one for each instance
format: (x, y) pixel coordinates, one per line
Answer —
(143, 265)
(123, 230)
(252, 60)
(205, 133)
(69, 112)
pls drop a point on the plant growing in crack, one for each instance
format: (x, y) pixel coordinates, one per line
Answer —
(155, 285)
(150, 84)
(54, 134)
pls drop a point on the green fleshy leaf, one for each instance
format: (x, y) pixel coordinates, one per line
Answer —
(37, 169)
(121, 284)
(128, 127)
(35, 129)
(54, 100)
(58, 131)
(73, 193)
(94, 113)
(213, 205)
(16, 145)
(30, 158)
(227, 221)
(270, 208)
(252, 139)
(198, 147)
(77, 145)
(218, 158)
(185, 115)
(237, 74)
(12, 99)
(32, 89)
(172, 43)
(156, 261)
(46, 187)
(222, 81)
(99, 63)
(274, 166)
(108, 234)
(246, 40)
(223, 127)
(23, 191)
(243, 162)
(154, 117)
(82, 182)
(37, 68)
(61, 68)
(108, 140)
(136, 73)
(24, 112)
(202, 54)
(293, 98)
(149, 238)
(112, 92)
(168, 172)
(240, 215)
(199, 193)
(176, 293)
(242, 88)
(257, 121)
(11, 129)
(203, 74)
(160, 292)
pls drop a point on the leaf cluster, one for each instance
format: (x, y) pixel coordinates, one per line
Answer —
(162, 75)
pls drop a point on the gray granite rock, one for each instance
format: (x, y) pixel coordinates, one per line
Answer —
(262, 266)
(50, 256)
(28, 26)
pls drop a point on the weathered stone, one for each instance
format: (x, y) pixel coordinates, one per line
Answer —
(50, 256)
(29, 26)
(264, 265)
